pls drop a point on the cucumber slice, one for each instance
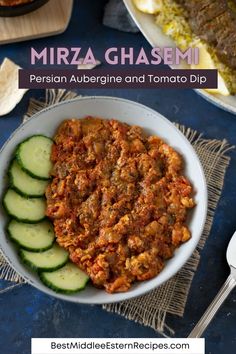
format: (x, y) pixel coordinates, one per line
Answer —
(50, 260)
(33, 155)
(31, 210)
(67, 280)
(32, 237)
(25, 184)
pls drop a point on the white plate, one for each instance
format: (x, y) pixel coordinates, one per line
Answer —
(47, 121)
(157, 38)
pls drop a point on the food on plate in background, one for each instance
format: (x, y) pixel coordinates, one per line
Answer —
(10, 94)
(209, 25)
(13, 2)
(14, 8)
(148, 6)
(118, 200)
(206, 62)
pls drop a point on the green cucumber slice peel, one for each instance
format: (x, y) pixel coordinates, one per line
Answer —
(29, 210)
(32, 237)
(67, 280)
(24, 184)
(50, 260)
(34, 156)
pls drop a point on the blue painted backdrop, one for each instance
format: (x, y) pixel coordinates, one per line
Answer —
(26, 312)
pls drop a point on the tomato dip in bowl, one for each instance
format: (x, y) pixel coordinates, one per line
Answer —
(118, 111)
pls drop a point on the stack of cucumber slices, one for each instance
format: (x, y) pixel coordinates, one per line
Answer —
(25, 203)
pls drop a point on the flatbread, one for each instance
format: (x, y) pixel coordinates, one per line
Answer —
(82, 66)
(10, 94)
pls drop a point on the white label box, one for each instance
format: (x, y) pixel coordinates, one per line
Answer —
(118, 346)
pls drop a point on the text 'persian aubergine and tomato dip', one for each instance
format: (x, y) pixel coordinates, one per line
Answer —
(118, 200)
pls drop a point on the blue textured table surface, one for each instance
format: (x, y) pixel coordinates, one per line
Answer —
(25, 312)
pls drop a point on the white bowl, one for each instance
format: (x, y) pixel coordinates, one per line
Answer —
(46, 122)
